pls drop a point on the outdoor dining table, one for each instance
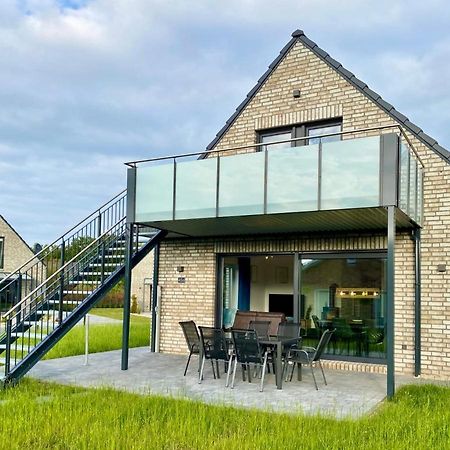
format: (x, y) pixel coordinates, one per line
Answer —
(278, 343)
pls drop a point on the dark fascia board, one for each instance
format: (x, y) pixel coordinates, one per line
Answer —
(299, 36)
(16, 233)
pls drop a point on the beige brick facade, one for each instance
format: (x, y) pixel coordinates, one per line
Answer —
(16, 251)
(325, 94)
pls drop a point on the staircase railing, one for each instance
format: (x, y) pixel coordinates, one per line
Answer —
(46, 307)
(31, 274)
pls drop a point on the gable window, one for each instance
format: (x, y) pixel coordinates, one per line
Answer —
(312, 129)
(2, 248)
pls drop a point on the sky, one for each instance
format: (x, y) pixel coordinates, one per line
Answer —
(86, 85)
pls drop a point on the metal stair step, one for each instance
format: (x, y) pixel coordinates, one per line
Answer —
(95, 273)
(74, 293)
(65, 302)
(92, 282)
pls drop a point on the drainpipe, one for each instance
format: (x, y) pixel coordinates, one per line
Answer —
(155, 300)
(417, 303)
(390, 309)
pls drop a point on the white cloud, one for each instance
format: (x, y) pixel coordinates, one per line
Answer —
(84, 89)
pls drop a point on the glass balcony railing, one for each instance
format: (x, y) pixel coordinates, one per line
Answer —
(410, 183)
(350, 173)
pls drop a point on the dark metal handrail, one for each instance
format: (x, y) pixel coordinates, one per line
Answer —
(134, 164)
(36, 256)
(6, 315)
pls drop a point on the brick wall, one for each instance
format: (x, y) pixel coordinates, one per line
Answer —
(324, 95)
(16, 252)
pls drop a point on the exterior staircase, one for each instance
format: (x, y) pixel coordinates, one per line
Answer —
(45, 297)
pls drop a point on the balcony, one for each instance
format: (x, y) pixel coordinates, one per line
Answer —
(341, 185)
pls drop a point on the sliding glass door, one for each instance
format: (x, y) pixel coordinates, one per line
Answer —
(346, 294)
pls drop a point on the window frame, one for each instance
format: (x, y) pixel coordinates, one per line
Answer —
(297, 131)
(2, 252)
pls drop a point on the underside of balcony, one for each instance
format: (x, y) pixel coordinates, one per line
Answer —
(314, 221)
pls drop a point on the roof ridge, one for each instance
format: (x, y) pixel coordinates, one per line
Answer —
(299, 36)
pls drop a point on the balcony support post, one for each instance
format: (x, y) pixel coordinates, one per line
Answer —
(417, 303)
(390, 307)
(127, 295)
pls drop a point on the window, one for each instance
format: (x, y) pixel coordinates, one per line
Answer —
(310, 129)
(2, 248)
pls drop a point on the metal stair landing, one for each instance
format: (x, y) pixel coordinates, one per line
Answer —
(45, 297)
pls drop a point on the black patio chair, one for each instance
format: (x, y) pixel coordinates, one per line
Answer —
(317, 325)
(310, 355)
(214, 348)
(192, 340)
(375, 338)
(247, 351)
(287, 330)
(261, 327)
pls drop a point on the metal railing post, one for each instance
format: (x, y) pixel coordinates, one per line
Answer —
(19, 294)
(99, 224)
(8, 347)
(102, 253)
(86, 339)
(61, 282)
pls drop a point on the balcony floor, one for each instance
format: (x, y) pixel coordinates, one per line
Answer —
(347, 394)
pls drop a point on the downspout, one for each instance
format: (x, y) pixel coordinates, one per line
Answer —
(417, 303)
(155, 300)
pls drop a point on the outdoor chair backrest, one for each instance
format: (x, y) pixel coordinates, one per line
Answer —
(214, 344)
(289, 330)
(191, 335)
(246, 346)
(261, 327)
(324, 340)
(316, 321)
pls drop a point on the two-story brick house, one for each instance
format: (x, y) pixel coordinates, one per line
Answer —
(343, 223)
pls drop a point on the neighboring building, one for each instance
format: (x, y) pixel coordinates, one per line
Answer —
(306, 226)
(14, 252)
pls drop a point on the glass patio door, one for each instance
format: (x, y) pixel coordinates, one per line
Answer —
(346, 293)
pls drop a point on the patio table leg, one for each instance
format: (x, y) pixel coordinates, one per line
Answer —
(299, 372)
(279, 370)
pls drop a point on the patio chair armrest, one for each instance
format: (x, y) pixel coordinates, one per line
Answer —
(311, 349)
(299, 351)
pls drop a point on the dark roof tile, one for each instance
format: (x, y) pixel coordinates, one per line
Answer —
(413, 127)
(333, 62)
(372, 94)
(399, 116)
(321, 52)
(441, 150)
(359, 83)
(428, 139)
(346, 73)
(385, 104)
(308, 41)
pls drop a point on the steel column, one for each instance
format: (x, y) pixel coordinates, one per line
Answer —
(417, 303)
(155, 295)
(390, 310)
(127, 295)
(296, 277)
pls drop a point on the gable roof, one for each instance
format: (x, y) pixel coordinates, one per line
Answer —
(299, 36)
(16, 233)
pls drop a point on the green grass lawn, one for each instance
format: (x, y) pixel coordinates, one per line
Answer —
(38, 415)
(102, 337)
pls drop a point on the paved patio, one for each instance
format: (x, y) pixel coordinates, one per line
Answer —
(347, 394)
